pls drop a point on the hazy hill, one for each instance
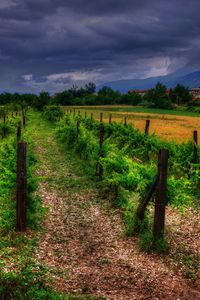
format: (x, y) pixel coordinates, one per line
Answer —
(190, 80)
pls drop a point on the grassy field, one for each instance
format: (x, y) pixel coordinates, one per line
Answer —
(170, 125)
(129, 108)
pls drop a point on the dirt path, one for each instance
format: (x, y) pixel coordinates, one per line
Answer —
(83, 244)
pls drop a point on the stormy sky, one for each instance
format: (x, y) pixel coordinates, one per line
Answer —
(52, 44)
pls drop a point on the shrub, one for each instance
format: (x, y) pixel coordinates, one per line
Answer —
(53, 113)
(5, 130)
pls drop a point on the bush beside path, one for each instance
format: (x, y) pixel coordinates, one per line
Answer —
(82, 243)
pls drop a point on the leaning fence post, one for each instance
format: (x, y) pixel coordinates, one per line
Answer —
(142, 206)
(19, 129)
(160, 198)
(147, 127)
(195, 140)
(21, 187)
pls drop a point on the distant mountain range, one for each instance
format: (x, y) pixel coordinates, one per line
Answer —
(190, 80)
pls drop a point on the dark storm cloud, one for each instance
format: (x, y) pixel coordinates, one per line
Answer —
(37, 9)
(54, 43)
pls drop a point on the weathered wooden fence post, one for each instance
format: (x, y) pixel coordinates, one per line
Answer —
(101, 140)
(147, 127)
(195, 140)
(161, 191)
(21, 187)
(142, 207)
(91, 116)
(125, 121)
(19, 129)
(110, 119)
(101, 117)
(85, 114)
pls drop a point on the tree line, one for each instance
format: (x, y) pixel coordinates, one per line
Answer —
(158, 97)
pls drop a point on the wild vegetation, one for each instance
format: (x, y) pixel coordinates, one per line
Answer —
(20, 276)
(48, 264)
(129, 160)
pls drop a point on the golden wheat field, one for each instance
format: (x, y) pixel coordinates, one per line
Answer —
(169, 127)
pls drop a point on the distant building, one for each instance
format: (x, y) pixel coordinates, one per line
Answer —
(195, 92)
(140, 92)
(143, 92)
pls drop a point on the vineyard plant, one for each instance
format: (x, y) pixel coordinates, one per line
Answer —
(20, 276)
(129, 162)
(85, 182)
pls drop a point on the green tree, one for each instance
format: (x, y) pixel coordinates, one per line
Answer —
(181, 94)
(43, 100)
(107, 95)
(158, 97)
(105, 91)
(64, 98)
(131, 98)
(90, 88)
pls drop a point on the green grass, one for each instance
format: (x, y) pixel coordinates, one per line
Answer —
(29, 285)
(188, 262)
(62, 157)
(24, 279)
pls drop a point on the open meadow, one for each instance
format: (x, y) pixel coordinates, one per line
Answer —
(168, 124)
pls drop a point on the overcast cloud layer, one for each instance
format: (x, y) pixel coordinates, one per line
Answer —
(52, 44)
